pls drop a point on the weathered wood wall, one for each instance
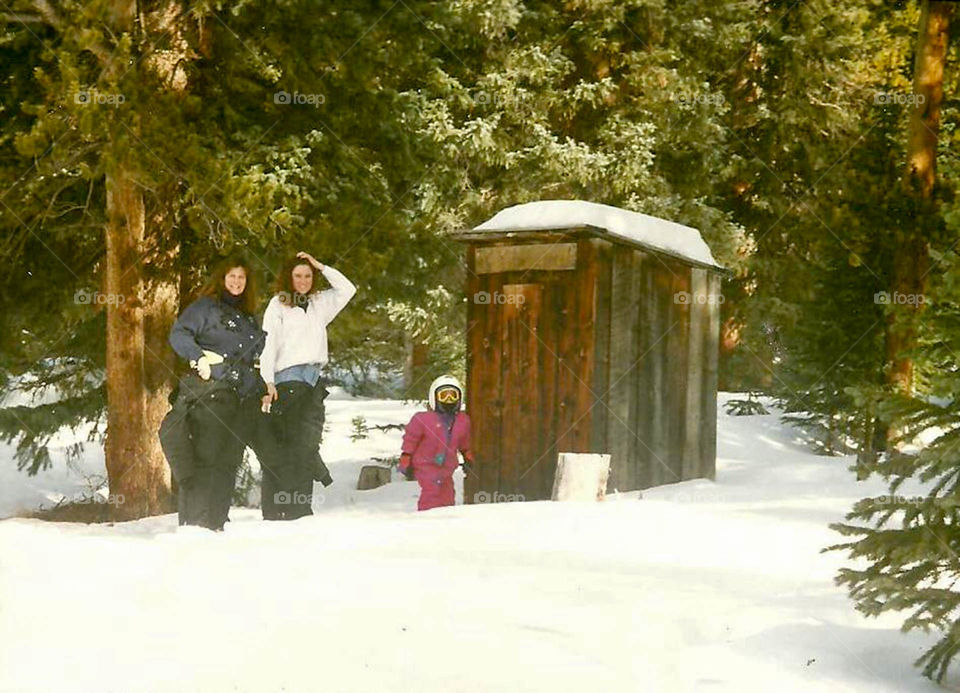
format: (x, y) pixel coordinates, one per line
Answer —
(601, 357)
(661, 392)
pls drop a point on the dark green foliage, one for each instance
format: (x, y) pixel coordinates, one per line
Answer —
(910, 542)
(33, 426)
(745, 407)
(910, 538)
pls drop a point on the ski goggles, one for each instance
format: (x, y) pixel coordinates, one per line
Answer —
(448, 395)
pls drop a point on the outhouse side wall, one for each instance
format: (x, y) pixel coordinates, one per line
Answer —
(658, 376)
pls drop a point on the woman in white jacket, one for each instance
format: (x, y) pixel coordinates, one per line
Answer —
(293, 356)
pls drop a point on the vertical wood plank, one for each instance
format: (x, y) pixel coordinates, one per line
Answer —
(677, 364)
(575, 363)
(658, 469)
(567, 386)
(487, 416)
(693, 425)
(643, 396)
(708, 440)
(586, 343)
(521, 442)
(622, 436)
(637, 425)
(605, 252)
(550, 336)
(474, 399)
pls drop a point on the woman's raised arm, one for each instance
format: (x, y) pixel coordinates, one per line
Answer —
(333, 300)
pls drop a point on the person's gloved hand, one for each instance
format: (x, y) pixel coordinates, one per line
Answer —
(467, 462)
(202, 365)
(406, 466)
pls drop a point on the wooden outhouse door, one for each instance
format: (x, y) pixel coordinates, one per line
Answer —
(522, 428)
(529, 373)
(512, 417)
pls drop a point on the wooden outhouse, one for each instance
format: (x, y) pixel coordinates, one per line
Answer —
(589, 329)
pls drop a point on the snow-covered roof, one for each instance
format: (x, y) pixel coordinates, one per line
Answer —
(651, 232)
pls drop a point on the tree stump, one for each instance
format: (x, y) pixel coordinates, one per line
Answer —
(373, 476)
(581, 477)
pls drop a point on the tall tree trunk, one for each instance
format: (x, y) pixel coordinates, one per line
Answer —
(136, 468)
(161, 302)
(912, 257)
(141, 268)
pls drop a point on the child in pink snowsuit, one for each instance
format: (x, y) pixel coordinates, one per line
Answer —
(431, 441)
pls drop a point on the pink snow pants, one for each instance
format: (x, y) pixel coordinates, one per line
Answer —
(435, 492)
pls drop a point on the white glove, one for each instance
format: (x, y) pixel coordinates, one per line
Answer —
(202, 365)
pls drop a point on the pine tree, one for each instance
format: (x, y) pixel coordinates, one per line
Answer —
(103, 92)
(911, 256)
(604, 101)
(908, 537)
(831, 226)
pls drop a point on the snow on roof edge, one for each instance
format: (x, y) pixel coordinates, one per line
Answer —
(653, 232)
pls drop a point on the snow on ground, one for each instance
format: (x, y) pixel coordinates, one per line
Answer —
(86, 478)
(65, 480)
(696, 586)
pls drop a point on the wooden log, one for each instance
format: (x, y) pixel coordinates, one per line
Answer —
(492, 385)
(650, 472)
(581, 477)
(373, 476)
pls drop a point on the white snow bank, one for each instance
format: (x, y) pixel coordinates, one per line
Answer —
(64, 481)
(698, 586)
(652, 232)
(86, 478)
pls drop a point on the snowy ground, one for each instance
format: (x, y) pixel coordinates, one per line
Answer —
(697, 586)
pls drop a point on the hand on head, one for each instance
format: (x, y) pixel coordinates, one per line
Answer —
(311, 259)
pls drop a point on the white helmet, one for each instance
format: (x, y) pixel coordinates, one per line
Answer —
(442, 381)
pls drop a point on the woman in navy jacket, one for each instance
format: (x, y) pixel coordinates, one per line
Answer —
(219, 337)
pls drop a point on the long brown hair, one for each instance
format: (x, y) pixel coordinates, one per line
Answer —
(283, 287)
(215, 285)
